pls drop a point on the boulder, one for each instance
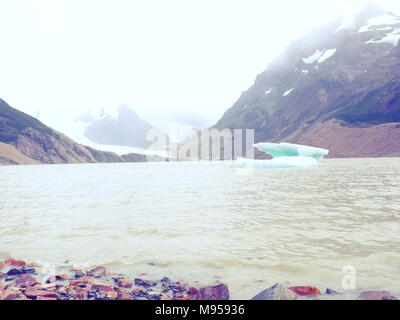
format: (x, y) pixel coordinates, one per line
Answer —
(97, 272)
(305, 290)
(376, 295)
(15, 263)
(17, 272)
(26, 280)
(34, 294)
(277, 292)
(330, 292)
(220, 292)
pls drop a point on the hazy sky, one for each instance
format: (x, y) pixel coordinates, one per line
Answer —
(160, 57)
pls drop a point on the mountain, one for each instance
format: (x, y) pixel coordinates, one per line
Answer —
(25, 140)
(122, 127)
(337, 88)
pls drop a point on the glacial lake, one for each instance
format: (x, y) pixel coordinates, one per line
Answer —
(207, 222)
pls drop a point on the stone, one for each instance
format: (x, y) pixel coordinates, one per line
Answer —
(97, 272)
(220, 292)
(85, 279)
(142, 283)
(79, 274)
(15, 272)
(46, 298)
(11, 296)
(165, 279)
(124, 284)
(330, 292)
(277, 292)
(15, 263)
(62, 277)
(305, 290)
(99, 287)
(124, 296)
(26, 280)
(112, 294)
(193, 291)
(32, 293)
(376, 295)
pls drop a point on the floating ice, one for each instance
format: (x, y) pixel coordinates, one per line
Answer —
(285, 155)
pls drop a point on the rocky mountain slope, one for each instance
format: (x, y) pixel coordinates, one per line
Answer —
(338, 88)
(25, 140)
(122, 127)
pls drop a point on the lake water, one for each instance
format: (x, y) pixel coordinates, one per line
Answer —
(208, 222)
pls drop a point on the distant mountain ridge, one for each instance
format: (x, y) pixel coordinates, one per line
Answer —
(123, 128)
(26, 140)
(338, 88)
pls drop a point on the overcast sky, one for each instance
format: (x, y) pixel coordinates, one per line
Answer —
(160, 57)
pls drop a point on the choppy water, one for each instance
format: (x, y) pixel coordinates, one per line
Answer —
(209, 222)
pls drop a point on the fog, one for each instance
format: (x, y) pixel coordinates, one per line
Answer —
(176, 59)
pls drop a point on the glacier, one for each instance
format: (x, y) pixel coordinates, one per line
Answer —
(284, 155)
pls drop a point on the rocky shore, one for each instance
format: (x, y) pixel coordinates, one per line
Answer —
(22, 281)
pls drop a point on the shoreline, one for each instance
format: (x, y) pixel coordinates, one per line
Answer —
(23, 281)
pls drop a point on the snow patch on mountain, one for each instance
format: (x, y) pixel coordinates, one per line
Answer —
(313, 58)
(287, 92)
(384, 20)
(391, 38)
(319, 56)
(267, 92)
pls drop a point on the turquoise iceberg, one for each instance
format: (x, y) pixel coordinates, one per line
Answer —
(285, 155)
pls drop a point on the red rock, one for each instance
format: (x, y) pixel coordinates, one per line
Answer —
(100, 287)
(31, 293)
(46, 298)
(2, 265)
(26, 280)
(97, 272)
(15, 263)
(112, 294)
(85, 279)
(142, 274)
(124, 284)
(305, 290)
(186, 298)
(74, 283)
(124, 296)
(62, 277)
(376, 295)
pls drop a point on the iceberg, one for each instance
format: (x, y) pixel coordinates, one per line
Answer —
(285, 155)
